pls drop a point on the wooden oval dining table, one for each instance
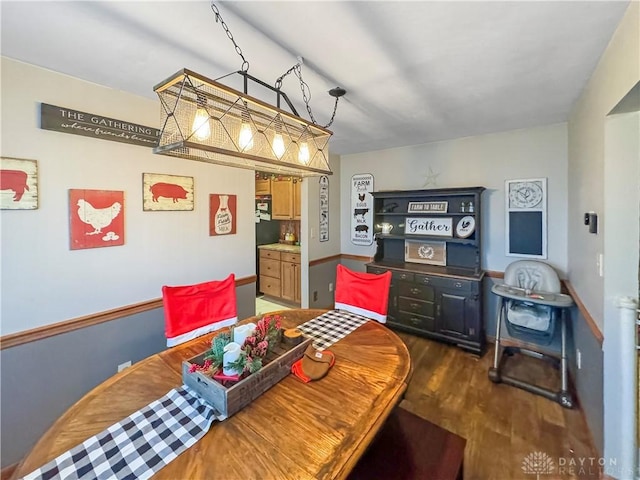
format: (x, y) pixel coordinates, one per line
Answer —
(294, 430)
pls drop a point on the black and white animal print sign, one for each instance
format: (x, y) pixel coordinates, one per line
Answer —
(324, 208)
(362, 209)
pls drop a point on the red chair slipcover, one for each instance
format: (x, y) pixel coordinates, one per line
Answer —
(365, 294)
(193, 310)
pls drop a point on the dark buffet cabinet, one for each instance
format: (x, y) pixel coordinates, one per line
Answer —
(430, 240)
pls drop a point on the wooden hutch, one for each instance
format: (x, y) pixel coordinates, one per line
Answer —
(431, 242)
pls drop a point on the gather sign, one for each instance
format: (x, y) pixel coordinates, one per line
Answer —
(437, 227)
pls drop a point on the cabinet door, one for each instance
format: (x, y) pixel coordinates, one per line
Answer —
(298, 284)
(458, 314)
(288, 281)
(263, 187)
(392, 309)
(282, 200)
(297, 202)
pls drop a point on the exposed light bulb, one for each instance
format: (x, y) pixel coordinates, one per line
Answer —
(278, 145)
(200, 127)
(245, 139)
(303, 153)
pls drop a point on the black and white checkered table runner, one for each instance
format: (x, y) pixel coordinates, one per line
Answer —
(147, 440)
(139, 445)
(330, 327)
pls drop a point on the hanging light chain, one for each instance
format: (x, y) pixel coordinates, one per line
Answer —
(245, 63)
(296, 69)
(304, 88)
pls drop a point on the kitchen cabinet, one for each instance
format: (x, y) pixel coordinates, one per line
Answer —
(263, 186)
(280, 274)
(270, 272)
(436, 276)
(290, 277)
(285, 199)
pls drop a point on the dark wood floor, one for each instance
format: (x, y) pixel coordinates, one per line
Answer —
(502, 424)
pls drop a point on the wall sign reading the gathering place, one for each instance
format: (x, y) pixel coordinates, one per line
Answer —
(66, 120)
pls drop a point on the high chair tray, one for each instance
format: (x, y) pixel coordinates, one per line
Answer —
(559, 300)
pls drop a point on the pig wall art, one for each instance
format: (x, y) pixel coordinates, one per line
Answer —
(166, 192)
(18, 184)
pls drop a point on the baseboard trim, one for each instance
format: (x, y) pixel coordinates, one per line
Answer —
(66, 326)
(358, 258)
(493, 274)
(320, 261)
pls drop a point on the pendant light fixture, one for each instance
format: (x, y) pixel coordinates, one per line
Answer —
(203, 119)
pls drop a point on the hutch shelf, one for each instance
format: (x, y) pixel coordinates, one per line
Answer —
(430, 240)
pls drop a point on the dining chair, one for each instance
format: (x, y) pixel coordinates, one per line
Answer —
(365, 294)
(193, 310)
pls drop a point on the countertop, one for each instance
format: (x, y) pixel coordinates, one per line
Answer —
(281, 247)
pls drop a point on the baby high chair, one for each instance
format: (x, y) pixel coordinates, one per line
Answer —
(531, 307)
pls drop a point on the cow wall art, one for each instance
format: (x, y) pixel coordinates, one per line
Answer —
(166, 192)
(18, 184)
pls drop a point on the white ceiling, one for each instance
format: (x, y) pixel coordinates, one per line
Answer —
(414, 72)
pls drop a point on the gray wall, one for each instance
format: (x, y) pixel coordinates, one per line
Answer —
(589, 379)
(320, 276)
(40, 380)
(312, 247)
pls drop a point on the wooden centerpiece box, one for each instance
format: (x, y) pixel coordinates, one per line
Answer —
(227, 400)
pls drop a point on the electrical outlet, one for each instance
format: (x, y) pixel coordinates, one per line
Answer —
(578, 358)
(315, 295)
(124, 365)
(331, 287)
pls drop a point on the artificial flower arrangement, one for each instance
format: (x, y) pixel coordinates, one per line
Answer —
(252, 351)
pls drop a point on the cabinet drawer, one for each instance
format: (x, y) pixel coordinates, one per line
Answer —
(290, 257)
(411, 305)
(270, 286)
(270, 268)
(424, 280)
(403, 276)
(415, 290)
(450, 283)
(417, 321)
(272, 254)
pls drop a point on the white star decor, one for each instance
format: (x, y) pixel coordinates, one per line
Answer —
(430, 179)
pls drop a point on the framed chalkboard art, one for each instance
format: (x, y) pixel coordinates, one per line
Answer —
(526, 218)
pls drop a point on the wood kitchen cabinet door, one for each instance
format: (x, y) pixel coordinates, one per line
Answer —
(263, 186)
(298, 284)
(282, 199)
(297, 200)
(288, 281)
(290, 277)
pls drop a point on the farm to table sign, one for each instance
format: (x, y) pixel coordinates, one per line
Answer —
(361, 209)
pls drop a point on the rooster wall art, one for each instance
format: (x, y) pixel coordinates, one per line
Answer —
(97, 218)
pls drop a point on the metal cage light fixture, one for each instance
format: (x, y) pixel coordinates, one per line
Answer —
(203, 119)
